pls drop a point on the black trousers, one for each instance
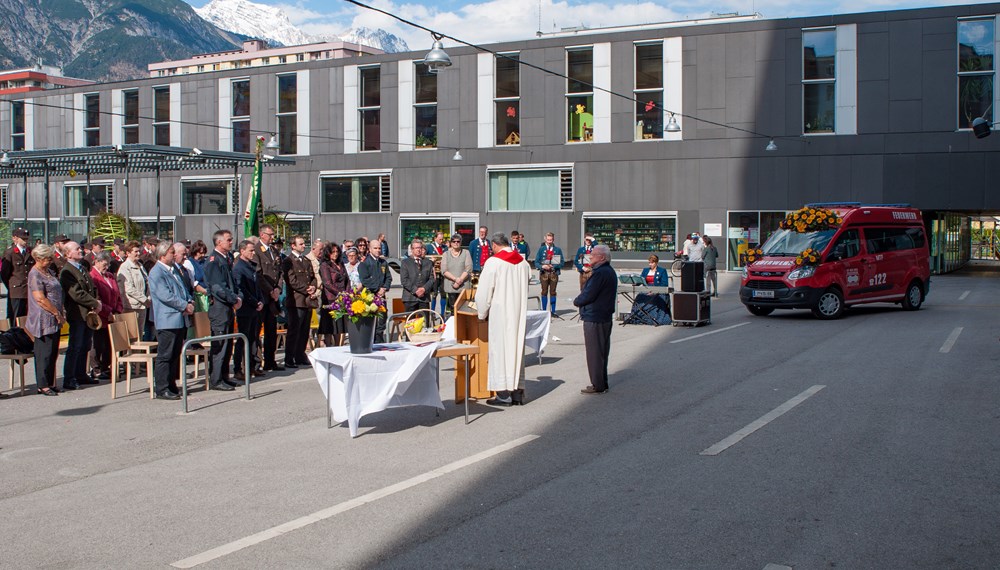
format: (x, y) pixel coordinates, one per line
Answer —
(269, 317)
(380, 328)
(297, 335)
(597, 340)
(414, 305)
(222, 350)
(75, 363)
(167, 365)
(249, 325)
(16, 308)
(46, 352)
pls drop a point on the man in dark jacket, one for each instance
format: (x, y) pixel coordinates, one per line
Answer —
(376, 277)
(224, 298)
(17, 261)
(301, 282)
(597, 307)
(248, 315)
(269, 281)
(416, 275)
(80, 297)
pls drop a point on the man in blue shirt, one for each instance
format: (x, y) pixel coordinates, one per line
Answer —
(597, 306)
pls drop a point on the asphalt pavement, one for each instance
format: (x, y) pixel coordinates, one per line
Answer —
(755, 442)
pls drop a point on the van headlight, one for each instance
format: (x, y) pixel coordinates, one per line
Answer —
(802, 272)
(745, 272)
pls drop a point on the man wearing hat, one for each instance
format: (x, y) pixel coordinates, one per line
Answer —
(59, 257)
(96, 247)
(117, 256)
(17, 261)
(582, 259)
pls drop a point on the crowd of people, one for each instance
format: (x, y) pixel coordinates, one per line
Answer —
(253, 285)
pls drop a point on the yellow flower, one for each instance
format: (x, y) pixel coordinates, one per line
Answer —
(358, 307)
(372, 308)
(798, 261)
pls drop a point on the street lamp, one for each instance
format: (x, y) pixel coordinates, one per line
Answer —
(771, 147)
(436, 59)
(981, 127)
(273, 143)
(672, 126)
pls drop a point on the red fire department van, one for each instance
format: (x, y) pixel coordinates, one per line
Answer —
(877, 254)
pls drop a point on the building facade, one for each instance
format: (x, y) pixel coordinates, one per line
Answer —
(255, 53)
(872, 108)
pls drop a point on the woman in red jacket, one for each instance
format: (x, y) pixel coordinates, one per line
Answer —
(111, 303)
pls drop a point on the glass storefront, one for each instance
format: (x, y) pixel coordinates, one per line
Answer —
(425, 228)
(951, 240)
(641, 233)
(748, 230)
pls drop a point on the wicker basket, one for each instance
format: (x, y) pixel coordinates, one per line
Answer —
(431, 321)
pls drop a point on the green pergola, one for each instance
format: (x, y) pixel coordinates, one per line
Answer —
(123, 159)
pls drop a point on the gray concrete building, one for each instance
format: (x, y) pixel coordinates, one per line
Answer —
(640, 135)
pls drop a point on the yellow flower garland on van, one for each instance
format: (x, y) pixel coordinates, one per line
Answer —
(811, 220)
(809, 256)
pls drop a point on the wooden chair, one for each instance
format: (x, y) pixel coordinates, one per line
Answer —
(121, 353)
(131, 321)
(19, 359)
(399, 314)
(279, 337)
(202, 328)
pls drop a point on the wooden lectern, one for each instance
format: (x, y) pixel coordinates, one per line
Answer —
(469, 330)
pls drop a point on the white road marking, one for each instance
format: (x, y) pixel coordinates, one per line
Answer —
(10, 454)
(950, 342)
(777, 567)
(964, 295)
(329, 512)
(761, 422)
(685, 339)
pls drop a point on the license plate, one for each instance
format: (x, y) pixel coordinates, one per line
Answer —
(763, 294)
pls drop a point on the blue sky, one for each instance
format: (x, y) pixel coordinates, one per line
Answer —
(488, 21)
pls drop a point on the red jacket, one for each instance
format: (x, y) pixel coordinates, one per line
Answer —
(108, 292)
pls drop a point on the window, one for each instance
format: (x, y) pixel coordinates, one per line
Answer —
(16, 125)
(370, 108)
(975, 70)
(92, 120)
(79, 202)
(425, 107)
(646, 233)
(287, 116)
(648, 91)
(532, 190)
(352, 194)
(148, 227)
(240, 117)
(848, 245)
(130, 116)
(282, 59)
(207, 197)
(819, 81)
(4, 207)
(881, 240)
(161, 116)
(299, 226)
(580, 94)
(507, 99)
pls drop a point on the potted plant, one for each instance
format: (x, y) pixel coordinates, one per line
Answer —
(361, 307)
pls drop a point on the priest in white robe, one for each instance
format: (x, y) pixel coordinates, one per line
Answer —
(502, 299)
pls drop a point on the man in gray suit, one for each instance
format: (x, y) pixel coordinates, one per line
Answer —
(172, 309)
(416, 275)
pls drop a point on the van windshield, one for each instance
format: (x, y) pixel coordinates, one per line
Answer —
(786, 243)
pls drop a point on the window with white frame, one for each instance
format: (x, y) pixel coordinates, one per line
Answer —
(130, 116)
(207, 197)
(425, 107)
(819, 81)
(92, 119)
(507, 99)
(79, 200)
(161, 115)
(240, 117)
(976, 68)
(355, 193)
(580, 94)
(17, 121)
(648, 92)
(370, 108)
(544, 189)
(288, 113)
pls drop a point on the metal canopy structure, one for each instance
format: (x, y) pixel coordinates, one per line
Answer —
(122, 159)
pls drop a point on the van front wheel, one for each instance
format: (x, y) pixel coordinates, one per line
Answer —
(914, 296)
(830, 305)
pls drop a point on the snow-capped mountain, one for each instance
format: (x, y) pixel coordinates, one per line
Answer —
(272, 24)
(253, 20)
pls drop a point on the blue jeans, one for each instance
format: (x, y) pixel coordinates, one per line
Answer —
(75, 365)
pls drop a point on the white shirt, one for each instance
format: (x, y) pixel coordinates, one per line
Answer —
(695, 251)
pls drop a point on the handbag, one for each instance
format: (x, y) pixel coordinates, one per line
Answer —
(93, 321)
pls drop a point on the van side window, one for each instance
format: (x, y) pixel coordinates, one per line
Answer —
(847, 246)
(882, 240)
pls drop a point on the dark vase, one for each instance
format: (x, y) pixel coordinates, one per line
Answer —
(361, 335)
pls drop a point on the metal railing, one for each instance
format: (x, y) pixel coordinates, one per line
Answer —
(247, 363)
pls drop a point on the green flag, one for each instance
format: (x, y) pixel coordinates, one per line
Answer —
(254, 214)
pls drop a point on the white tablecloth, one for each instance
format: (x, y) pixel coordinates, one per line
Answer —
(362, 384)
(536, 331)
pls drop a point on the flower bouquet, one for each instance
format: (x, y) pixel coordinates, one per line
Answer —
(811, 220)
(357, 304)
(809, 256)
(753, 255)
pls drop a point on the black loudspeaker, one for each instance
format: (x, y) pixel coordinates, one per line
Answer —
(693, 277)
(690, 308)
